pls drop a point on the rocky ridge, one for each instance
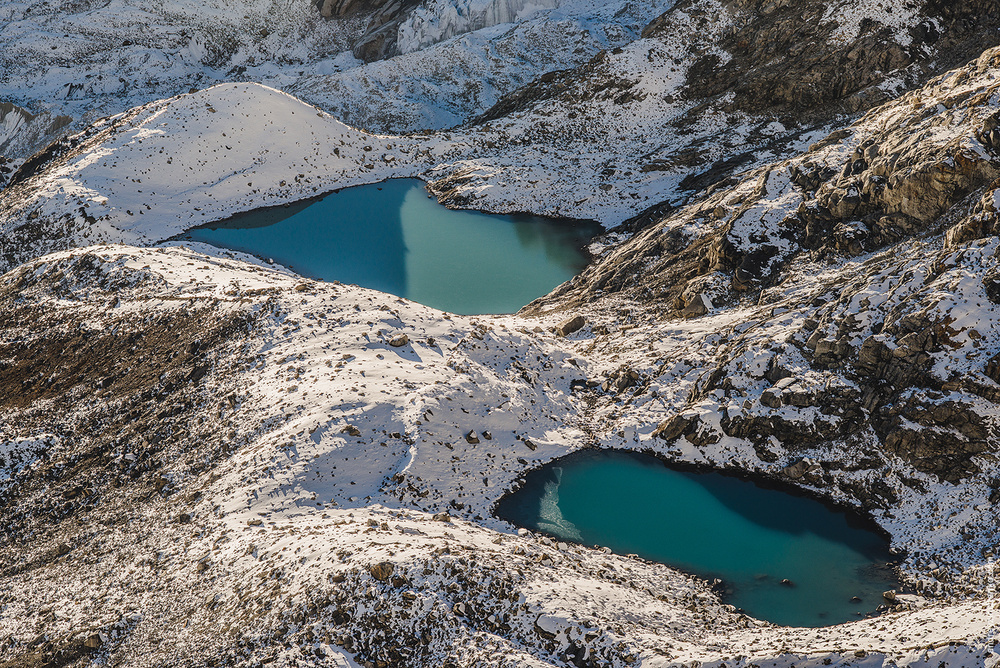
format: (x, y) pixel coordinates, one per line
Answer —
(841, 310)
(295, 487)
(906, 171)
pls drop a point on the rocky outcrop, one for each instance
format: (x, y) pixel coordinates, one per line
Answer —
(381, 20)
(895, 350)
(809, 57)
(892, 176)
(796, 65)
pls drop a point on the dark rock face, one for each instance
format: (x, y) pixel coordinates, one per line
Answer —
(784, 55)
(896, 183)
(782, 62)
(382, 21)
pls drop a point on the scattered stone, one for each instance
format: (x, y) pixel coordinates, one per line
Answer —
(802, 467)
(351, 429)
(399, 340)
(441, 517)
(889, 596)
(621, 379)
(567, 327)
(698, 306)
(382, 571)
(472, 437)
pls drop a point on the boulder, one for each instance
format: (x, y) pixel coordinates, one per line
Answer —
(698, 306)
(620, 379)
(382, 571)
(771, 398)
(567, 327)
(399, 340)
(800, 468)
(547, 627)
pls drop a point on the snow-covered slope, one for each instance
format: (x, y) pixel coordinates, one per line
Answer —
(90, 60)
(157, 170)
(446, 84)
(86, 59)
(605, 141)
(291, 487)
(207, 460)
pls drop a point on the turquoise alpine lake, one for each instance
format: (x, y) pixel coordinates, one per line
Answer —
(781, 557)
(393, 237)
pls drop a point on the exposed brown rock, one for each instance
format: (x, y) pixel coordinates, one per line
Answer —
(382, 571)
(570, 325)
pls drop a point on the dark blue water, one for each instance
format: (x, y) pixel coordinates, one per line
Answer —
(714, 526)
(392, 237)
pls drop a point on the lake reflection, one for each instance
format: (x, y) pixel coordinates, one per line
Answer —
(782, 557)
(392, 237)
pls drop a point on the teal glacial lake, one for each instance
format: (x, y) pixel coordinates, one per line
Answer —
(833, 564)
(392, 237)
